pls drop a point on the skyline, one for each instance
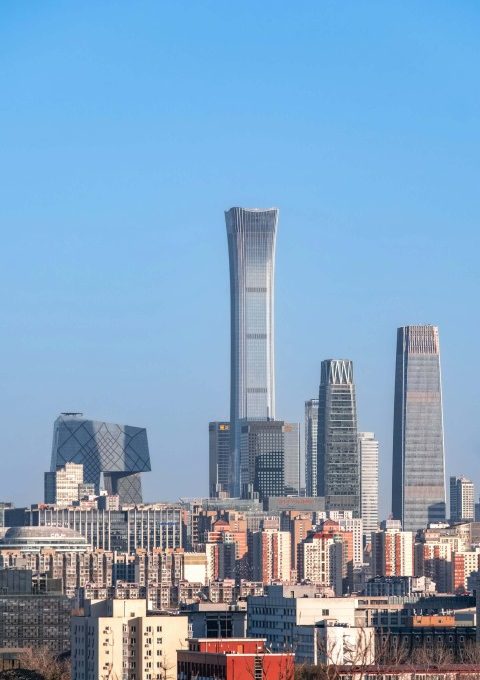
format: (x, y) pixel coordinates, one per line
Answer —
(114, 215)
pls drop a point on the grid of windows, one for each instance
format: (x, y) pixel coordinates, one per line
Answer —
(418, 481)
(251, 243)
(338, 470)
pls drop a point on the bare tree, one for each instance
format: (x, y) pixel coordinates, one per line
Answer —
(45, 663)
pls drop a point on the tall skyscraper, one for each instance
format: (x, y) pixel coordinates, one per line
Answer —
(418, 473)
(311, 427)
(462, 500)
(338, 469)
(291, 461)
(120, 452)
(219, 457)
(251, 245)
(368, 452)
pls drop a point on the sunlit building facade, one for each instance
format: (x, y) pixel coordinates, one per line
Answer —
(368, 453)
(311, 427)
(338, 469)
(251, 245)
(418, 478)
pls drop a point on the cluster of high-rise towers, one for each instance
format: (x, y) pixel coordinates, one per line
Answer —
(255, 454)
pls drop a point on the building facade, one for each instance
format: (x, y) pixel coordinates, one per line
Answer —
(418, 473)
(311, 427)
(462, 500)
(262, 451)
(119, 639)
(392, 552)
(271, 556)
(368, 453)
(338, 469)
(219, 447)
(66, 485)
(251, 237)
(291, 460)
(120, 452)
(31, 619)
(158, 525)
(233, 659)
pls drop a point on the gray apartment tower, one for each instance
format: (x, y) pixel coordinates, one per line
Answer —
(219, 457)
(251, 237)
(119, 452)
(311, 427)
(338, 465)
(418, 474)
(462, 500)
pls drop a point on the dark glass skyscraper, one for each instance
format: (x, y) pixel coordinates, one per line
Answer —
(262, 447)
(251, 245)
(219, 457)
(418, 478)
(338, 465)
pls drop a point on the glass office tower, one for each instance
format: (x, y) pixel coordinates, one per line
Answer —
(251, 245)
(418, 478)
(219, 457)
(119, 452)
(338, 465)
(262, 448)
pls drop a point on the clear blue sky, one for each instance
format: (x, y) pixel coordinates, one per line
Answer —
(126, 129)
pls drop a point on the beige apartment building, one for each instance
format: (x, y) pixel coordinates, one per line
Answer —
(119, 640)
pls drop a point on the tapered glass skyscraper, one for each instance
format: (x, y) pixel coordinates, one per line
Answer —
(418, 479)
(251, 245)
(338, 464)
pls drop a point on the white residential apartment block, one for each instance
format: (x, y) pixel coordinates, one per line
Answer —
(118, 639)
(66, 485)
(321, 561)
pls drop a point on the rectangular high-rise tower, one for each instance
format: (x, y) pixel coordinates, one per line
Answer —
(251, 245)
(219, 457)
(291, 466)
(368, 453)
(338, 469)
(462, 500)
(311, 426)
(418, 476)
(262, 447)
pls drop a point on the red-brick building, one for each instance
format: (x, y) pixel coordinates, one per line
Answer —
(233, 659)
